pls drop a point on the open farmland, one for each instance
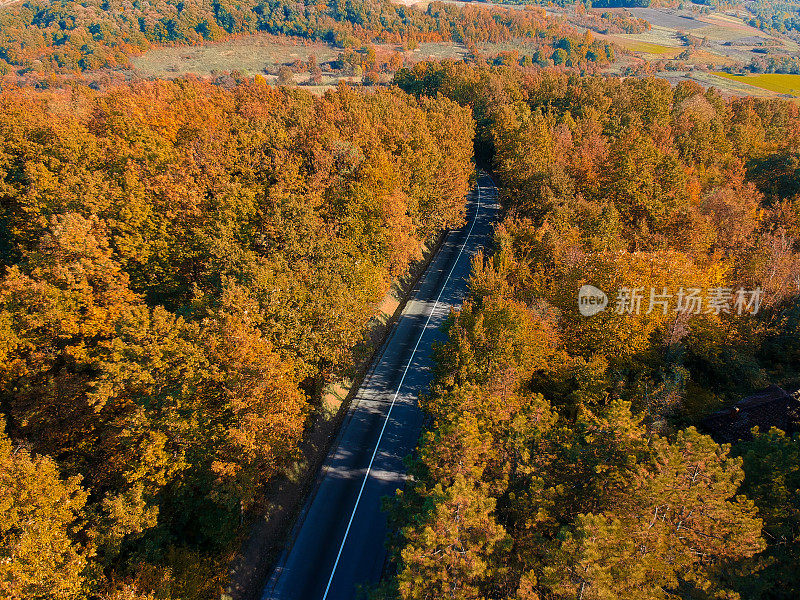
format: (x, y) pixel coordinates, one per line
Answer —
(637, 45)
(690, 45)
(249, 55)
(774, 82)
(264, 55)
(679, 20)
(718, 35)
(728, 87)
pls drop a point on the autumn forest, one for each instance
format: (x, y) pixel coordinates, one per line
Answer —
(566, 456)
(186, 267)
(189, 266)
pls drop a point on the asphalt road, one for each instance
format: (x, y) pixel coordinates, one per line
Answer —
(338, 541)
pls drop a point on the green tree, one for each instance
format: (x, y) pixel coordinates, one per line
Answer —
(451, 553)
(681, 517)
(772, 480)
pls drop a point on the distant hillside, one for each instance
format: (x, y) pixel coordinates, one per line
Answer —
(66, 36)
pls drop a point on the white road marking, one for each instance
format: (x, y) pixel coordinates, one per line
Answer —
(397, 393)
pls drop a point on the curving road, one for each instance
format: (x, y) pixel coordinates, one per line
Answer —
(338, 541)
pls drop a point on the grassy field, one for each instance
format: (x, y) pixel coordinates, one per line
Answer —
(262, 54)
(250, 55)
(265, 54)
(647, 47)
(774, 82)
(709, 58)
(438, 51)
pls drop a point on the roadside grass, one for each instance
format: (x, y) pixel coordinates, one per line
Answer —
(774, 82)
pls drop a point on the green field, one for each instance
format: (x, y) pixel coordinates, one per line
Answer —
(774, 82)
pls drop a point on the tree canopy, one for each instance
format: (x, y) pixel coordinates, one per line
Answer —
(563, 458)
(184, 269)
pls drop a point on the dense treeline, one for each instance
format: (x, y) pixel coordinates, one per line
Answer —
(773, 64)
(614, 22)
(585, 54)
(66, 36)
(562, 460)
(775, 15)
(184, 268)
